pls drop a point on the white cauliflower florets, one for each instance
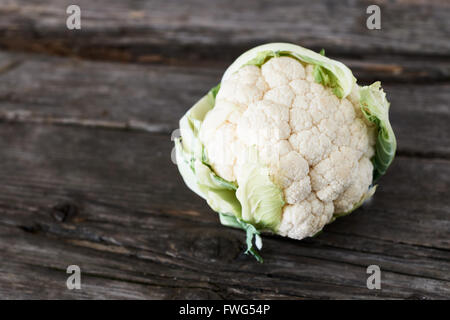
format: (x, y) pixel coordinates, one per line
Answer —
(316, 146)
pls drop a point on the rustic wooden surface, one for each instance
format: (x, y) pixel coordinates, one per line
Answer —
(85, 170)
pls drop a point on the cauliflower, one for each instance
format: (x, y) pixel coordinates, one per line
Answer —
(286, 143)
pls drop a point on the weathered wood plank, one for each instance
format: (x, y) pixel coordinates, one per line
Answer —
(36, 281)
(58, 90)
(168, 29)
(112, 201)
(109, 271)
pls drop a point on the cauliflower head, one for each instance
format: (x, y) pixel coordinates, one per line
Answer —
(286, 143)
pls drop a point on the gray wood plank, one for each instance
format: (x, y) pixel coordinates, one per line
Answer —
(165, 30)
(113, 202)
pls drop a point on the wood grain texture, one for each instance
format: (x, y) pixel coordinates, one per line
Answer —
(161, 30)
(85, 145)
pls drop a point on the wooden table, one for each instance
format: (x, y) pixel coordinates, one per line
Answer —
(85, 170)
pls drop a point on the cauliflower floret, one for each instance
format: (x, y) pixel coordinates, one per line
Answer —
(311, 144)
(223, 153)
(293, 177)
(317, 147)
(244, 87)
(358, 187)
(332, 175)
(282, 95)
(264, 121)
(305, 218)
